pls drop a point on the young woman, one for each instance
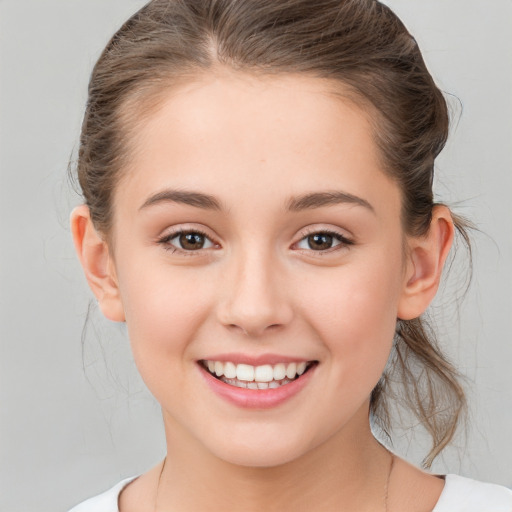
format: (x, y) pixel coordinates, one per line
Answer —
(258, 208)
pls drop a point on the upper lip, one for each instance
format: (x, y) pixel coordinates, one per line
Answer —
(255, 360)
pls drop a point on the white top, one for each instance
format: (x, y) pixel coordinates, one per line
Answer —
(460, 494)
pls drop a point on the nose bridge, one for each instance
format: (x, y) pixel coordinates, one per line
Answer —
(255, 298)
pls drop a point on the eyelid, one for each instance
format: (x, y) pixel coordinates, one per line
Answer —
(343, 239)
(165, 239)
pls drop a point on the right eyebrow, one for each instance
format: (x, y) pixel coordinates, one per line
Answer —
(197, 199)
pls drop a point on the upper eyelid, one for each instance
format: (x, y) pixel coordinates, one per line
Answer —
(172, 232)
(168, 235)
(345, 241)
(165, 241)
(303, 233)
(332, 231)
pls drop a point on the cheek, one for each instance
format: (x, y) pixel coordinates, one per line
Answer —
(163, 309)
(356, 316)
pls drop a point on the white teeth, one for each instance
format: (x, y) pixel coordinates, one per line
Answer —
(255, 385)
(263, 373)
(245, 372)
(256, 377)
(219, 369)
(280, 371)
(230, 370)
(291, 370)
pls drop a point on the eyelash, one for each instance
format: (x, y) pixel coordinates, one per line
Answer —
(343, 241)
(165, 241)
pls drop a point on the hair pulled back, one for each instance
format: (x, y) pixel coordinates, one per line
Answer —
(359, 43)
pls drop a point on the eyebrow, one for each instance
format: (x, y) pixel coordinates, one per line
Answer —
(294, 204)
(197, 199)
(327, 198)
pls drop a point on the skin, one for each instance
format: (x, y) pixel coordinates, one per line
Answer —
(258, 286)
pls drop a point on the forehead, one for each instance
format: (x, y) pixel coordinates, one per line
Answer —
(234, 134)
(253, 110)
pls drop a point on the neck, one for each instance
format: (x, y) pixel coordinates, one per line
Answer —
(347, 472)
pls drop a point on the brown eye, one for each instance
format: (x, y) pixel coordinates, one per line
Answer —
(187, 241)
(191, 241)
(323, 241)
(320, 241)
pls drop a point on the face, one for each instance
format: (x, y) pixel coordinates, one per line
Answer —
(256, 234)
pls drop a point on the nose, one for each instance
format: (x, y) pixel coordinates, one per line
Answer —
(255, 295)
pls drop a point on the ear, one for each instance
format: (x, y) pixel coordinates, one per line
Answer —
(425, 261)
(93, 253)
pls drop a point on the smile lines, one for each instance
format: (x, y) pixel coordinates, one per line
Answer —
(256, 377)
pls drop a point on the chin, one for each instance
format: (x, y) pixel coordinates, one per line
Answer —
(260, 454)
(257, 458)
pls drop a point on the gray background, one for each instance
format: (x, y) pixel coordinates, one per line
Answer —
(75, 418)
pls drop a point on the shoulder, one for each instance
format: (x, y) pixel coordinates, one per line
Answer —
(105, 502)
(462, 494)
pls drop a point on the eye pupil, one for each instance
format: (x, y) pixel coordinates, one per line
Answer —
(191, 241)
(320, 241)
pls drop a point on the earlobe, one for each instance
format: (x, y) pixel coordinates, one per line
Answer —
(425, 261)
(93, 253)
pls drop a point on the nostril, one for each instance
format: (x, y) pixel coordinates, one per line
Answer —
(254, 304)
(253, 330)
(235, 327)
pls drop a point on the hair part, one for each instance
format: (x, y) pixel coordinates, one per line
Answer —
(359, 44)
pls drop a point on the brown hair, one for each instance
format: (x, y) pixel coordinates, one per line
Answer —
(359, 43)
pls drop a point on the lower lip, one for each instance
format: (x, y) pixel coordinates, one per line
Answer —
(256, 398)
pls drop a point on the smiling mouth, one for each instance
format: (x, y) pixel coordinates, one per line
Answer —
(256, 377)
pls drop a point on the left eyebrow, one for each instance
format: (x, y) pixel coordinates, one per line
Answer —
(326, 198)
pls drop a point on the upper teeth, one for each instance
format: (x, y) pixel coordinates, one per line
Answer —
(264, 373)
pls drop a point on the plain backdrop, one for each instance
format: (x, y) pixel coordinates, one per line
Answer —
(74, 416)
